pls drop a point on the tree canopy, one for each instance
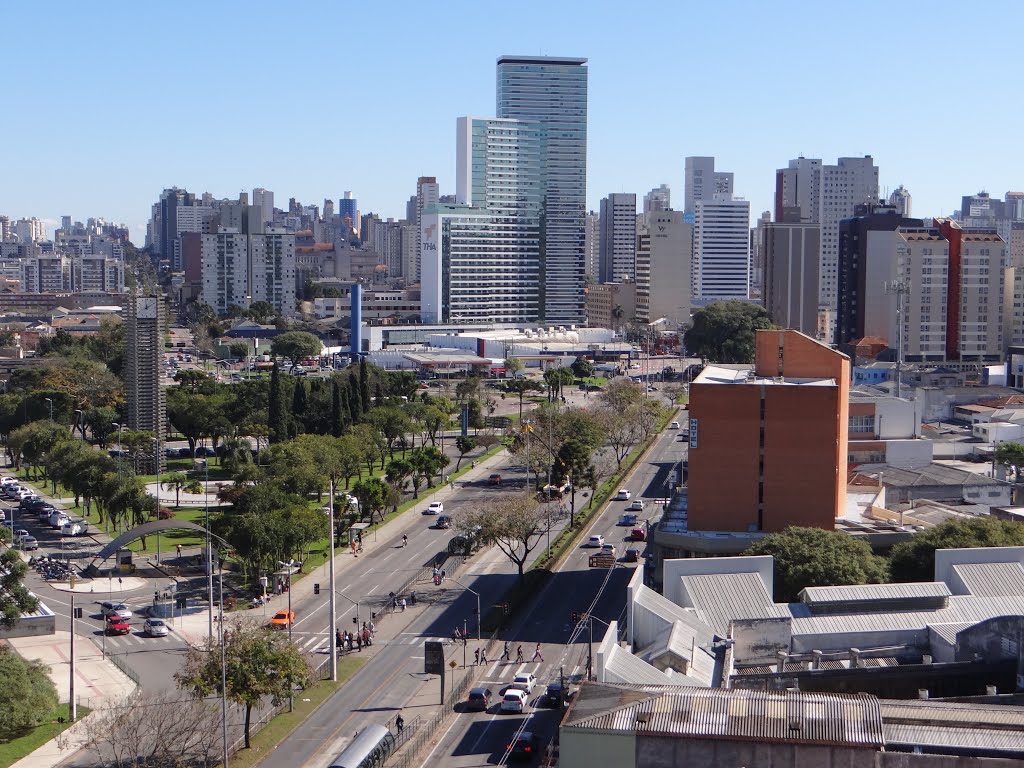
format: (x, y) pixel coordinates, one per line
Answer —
(914, 560)
(513, 523)
(723, 332)
(261, 664)
(812, 557)
(295, 345)
(28, 696)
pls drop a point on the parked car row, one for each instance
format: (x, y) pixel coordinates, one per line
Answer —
(30, 503)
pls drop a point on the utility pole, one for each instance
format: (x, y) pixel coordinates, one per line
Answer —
(72, 706)
(901, 289)
(209, 545)
(333, 610)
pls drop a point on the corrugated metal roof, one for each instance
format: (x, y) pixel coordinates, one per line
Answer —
(723, 597)
(662, 606)
(948, 632)
(940, 725)
(734, 714)
(992, 579)
(621, 666)
(870, 592)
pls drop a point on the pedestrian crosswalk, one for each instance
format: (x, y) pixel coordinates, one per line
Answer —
(138, 641)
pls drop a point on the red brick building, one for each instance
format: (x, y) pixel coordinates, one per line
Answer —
(768, 445)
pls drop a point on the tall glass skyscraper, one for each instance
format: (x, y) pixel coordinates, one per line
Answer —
(552, 91)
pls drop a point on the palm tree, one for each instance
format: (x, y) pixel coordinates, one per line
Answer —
(177, 481)
(237, 452)
(617, 314)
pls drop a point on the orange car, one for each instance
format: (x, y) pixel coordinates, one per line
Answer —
(282, 620)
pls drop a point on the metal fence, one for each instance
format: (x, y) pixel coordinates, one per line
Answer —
(120, 663)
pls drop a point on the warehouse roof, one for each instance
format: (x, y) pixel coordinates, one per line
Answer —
(730, 714)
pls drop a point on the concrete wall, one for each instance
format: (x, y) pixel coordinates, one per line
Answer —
(42, 622)
(669, 752)
(758, 641)
(580, 748)
(908, 454)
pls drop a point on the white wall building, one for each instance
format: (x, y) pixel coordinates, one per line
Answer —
(671, 258)
(618, 238)
(721, 248)
(703, 182)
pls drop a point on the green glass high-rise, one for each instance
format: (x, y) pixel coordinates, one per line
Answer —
(552, 92)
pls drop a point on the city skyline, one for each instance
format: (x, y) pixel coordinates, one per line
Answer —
(767, 103)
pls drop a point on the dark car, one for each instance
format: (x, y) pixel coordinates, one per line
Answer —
(524, 747)
(632, 556)
(479, 699)
(443, 521)
(554, 695)
(494, 479)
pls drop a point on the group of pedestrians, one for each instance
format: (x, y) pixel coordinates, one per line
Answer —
(439, 575)
(480, 654)
(346, 641)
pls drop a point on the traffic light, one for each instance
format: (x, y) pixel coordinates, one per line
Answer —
(316, 589)
(504, 608)
(575, 617)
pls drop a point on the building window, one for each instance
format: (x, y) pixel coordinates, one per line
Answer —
(861, 424)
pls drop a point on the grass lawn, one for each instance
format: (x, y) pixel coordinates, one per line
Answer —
(274, 732)
(15, 749)
(593, 381)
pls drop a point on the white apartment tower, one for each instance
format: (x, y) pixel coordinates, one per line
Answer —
(721, 248)
(428, 192)
(668, 273)
(592, 246)
(239, 269)
(618, 238)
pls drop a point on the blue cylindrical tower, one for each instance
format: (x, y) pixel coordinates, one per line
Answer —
(357, 322)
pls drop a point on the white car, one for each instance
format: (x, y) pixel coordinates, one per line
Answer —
(514, 700)
(57, 519)
(636, 505)
(674, 425)
(155, 628)
(524, 681)
(74, 528)
(435, 508)
(29, 543)
(623, 495)
(596, 541)
(115, 609)
(608, 549)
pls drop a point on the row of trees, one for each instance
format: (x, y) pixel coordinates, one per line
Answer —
(812, 557)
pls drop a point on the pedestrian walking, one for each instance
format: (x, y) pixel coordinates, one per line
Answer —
(359, 642)
(402, 603)
(373, 627)
(444, 574)
(178, 548)
(519, 655)
(366, 637)
(536, 654)
(399, 722)
(505, 653)
(476, 656)
(337, 639)
(483, 655)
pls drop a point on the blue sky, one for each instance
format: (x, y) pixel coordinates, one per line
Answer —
(105, 108)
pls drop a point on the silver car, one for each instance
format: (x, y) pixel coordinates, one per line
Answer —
(155, 628)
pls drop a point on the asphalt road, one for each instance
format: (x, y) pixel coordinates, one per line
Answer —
(481, 739)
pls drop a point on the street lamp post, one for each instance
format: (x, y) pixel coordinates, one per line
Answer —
(479, 618)
(117, 425)
(223, 676)
(290, 565)
(209, 544)
(333, 619)
(50, 402)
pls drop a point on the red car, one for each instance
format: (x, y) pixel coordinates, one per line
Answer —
(638, 534)
(118, 626)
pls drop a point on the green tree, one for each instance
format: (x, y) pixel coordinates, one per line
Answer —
(813, 557)
(15, 599)
(295, 345)
(364, 385)
(239, 350)
(373, 496)
(723, 332)
(261, 665)
(262, 312)
(193, 380)
(583, 368)
(513, 523)
(1011, 455)
(465, 444)
(572, 461)
(397, 472)
(339, 413)
(278, 418)
(513, 365)
(391, 422)
(28, 696)
(914, 560)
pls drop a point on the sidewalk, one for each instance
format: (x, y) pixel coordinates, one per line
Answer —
(98, 682)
